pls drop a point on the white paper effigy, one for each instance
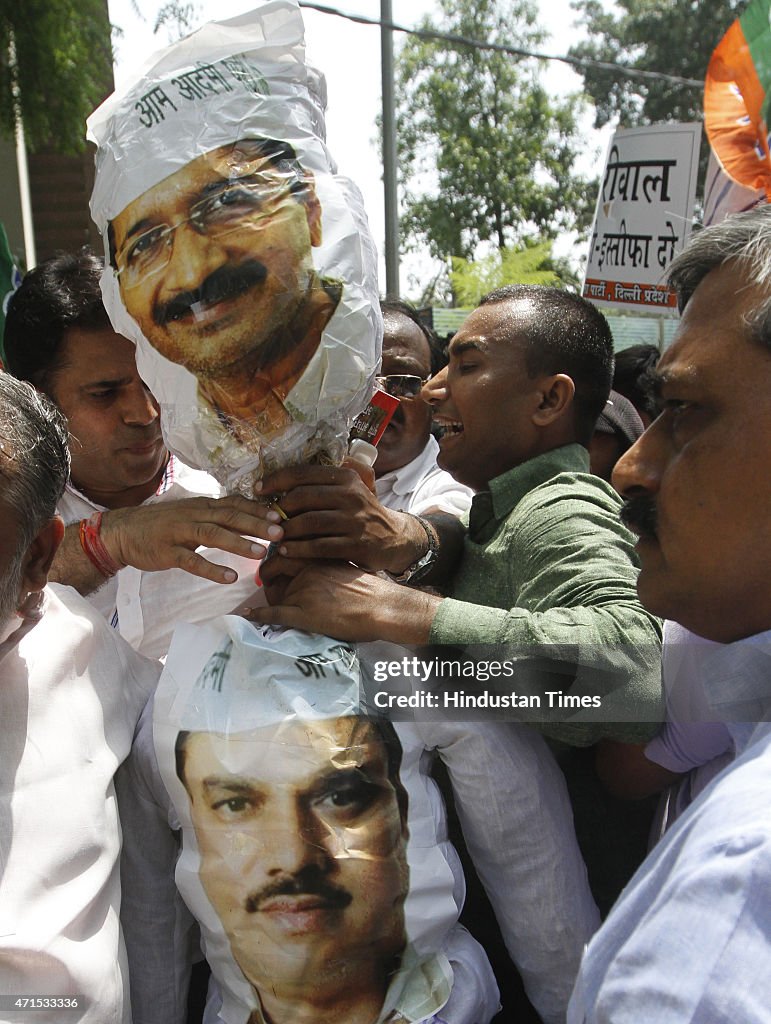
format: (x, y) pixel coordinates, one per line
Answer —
(311, 855)
(237, 259)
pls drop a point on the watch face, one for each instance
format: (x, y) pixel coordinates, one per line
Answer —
(417, 569)
(424, 564)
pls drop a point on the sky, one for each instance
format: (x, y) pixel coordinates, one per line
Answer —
(349, 56)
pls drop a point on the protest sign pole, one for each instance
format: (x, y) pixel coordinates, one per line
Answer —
(389, 151)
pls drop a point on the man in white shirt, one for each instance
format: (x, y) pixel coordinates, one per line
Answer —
(407, 477)
(71, 692)
(688, 939)
(130, 508)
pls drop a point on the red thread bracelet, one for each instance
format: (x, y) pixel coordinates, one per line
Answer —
(93, 546)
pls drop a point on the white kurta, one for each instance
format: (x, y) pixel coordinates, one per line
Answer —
(421, 485)
(145, 606)
(71, 693)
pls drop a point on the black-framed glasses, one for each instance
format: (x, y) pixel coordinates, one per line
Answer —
(401, 385)
(228, 208)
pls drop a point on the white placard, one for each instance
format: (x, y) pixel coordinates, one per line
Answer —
(643, 217)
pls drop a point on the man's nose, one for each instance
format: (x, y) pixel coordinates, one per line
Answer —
(639, 469)
(139, 406)
(192, 258)
(300, 841)
(434, 390)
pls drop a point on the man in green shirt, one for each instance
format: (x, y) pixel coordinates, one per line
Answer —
(547, 576)
(547, 566)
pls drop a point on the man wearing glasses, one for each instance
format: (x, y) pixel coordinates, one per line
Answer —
(407, 476)
(136, 517)
(214, 264)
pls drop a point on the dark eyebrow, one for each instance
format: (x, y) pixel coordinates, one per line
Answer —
(329, 778)
(366, 774)
(458, 348)
(116, 383)
(654, 381)
(233, 784)
(137, 229)
(217, 184)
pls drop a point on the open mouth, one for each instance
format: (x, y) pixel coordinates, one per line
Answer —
(446, 428)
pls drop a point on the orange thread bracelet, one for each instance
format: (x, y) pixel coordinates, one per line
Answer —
(93, 546)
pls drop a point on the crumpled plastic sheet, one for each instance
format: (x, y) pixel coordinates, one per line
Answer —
(246, 276)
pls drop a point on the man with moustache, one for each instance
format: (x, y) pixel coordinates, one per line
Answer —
(407, 477)
(71, 692)
(295, 805)
(294, 800)
(214, 264)
(689, 939)
(302, 833)
(131, 509)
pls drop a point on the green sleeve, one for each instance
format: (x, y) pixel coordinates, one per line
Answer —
(572, 567)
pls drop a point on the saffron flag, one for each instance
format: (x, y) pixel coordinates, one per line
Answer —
(736, 99)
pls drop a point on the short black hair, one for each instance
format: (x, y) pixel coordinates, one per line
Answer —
(631, 373)
(566, 334)
(59, 294)
(436, 351)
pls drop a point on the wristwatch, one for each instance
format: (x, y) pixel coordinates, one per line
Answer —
(420, 568)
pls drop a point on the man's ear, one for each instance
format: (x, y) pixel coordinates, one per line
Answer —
(556, 399)
(312, 208)
(40, 555)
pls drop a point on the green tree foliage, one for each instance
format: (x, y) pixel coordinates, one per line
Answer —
(61, 71)
(485, 155)
(62, 68)
(530, 263)
(675, 36)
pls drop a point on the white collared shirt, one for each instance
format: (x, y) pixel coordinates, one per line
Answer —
(688, 940)
(421, 485)
(145, 606)
(71, 692)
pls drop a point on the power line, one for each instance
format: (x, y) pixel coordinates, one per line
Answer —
(512, 51)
